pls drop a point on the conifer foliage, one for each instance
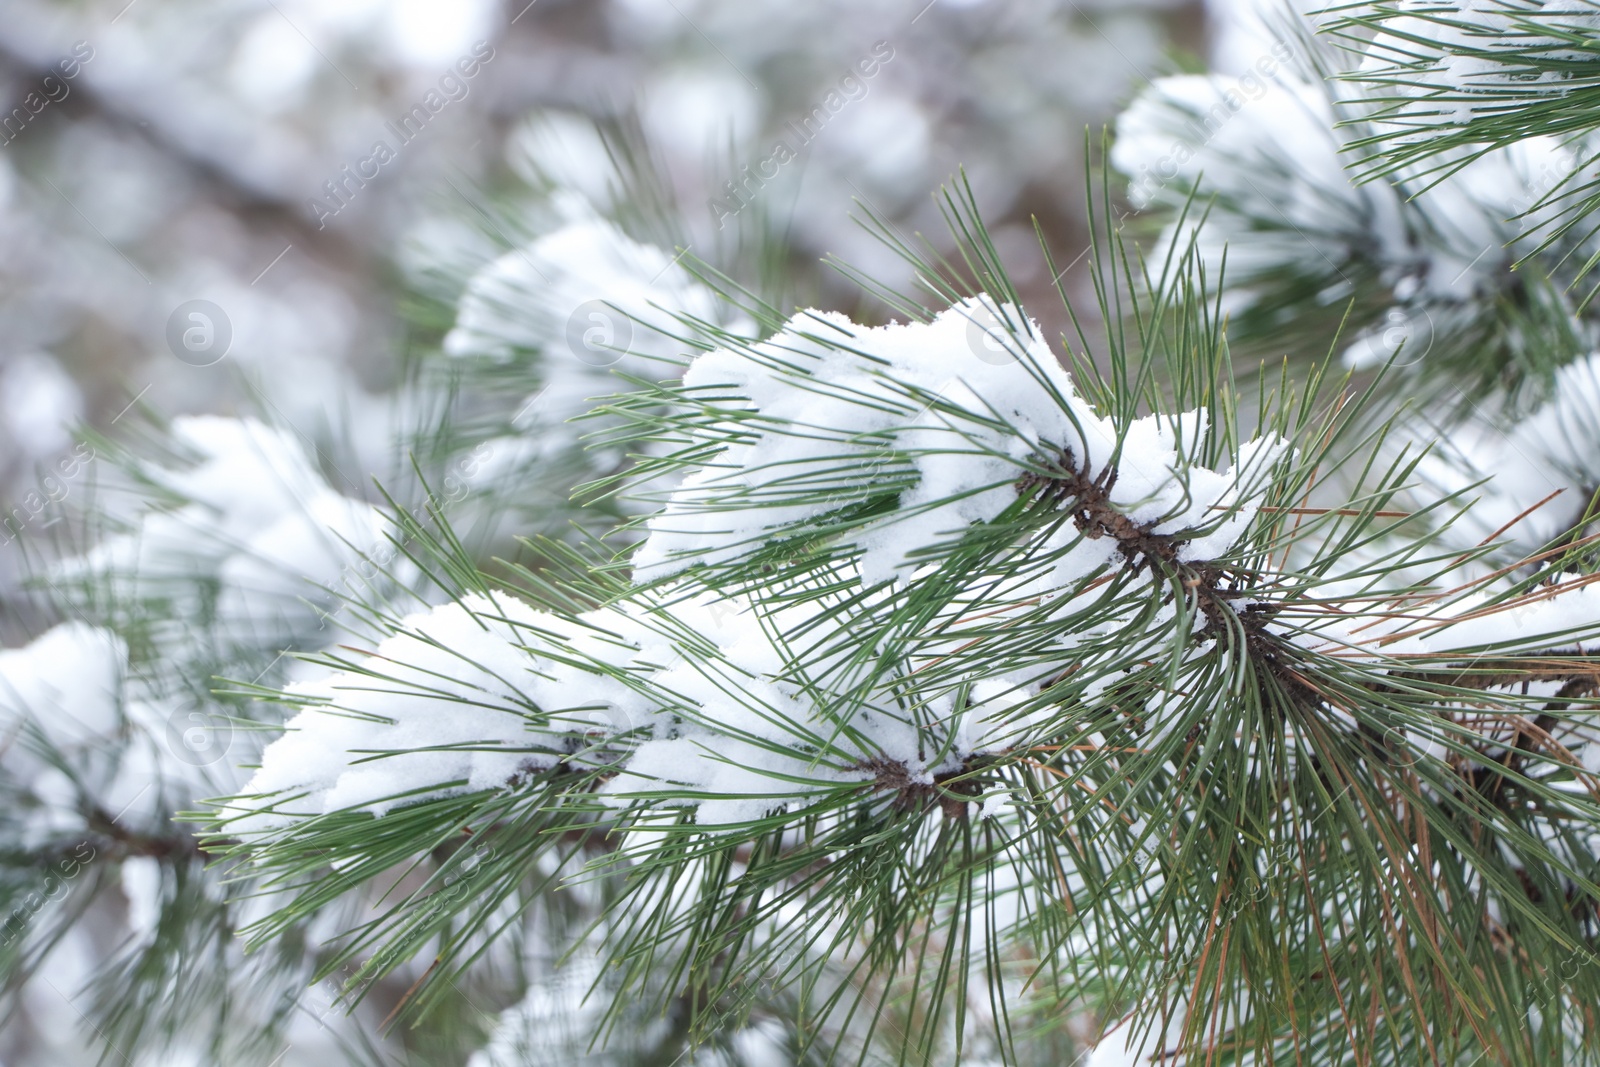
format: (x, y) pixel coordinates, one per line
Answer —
(924, 689)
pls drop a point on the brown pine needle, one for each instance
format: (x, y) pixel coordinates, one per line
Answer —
(407, 996)
(1265, 509)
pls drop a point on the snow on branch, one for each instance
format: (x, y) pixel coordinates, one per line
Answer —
(1108, 553)
(953, 420)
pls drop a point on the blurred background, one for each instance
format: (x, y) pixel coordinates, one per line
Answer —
(188, 155)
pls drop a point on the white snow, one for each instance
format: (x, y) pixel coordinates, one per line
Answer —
(833, 413)
(39, 403)
(564, 148)
(738, 707)
(71, 695)
(1561, 617)
(141, 885)
(67, 686)
(528, 297)
(1276, 156)
(443, 699)
(591, 304)
(250, 521)
(1461, 37)
(473, 694)
(1554, 449)
(1278, 191)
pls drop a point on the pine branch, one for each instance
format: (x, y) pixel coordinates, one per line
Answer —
(917, 651)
